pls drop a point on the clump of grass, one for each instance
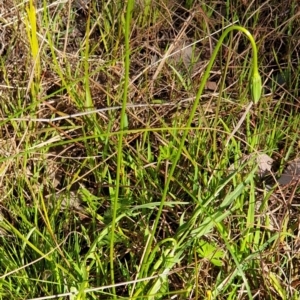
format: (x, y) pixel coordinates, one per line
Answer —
(151, 192)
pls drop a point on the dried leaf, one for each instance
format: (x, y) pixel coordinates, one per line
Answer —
(264, 162)
(291, 173)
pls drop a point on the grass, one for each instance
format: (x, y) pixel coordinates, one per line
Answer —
(113, 186)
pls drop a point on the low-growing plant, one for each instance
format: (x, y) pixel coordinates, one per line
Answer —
(256, 88)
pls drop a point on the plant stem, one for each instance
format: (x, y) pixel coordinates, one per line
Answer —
(129, 8)
(192, 114)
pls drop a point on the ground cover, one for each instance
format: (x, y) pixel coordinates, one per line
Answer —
(112, 186)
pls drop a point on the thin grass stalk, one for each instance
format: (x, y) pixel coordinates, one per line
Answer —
(130, 4)
(31, 28)
(88, 98)
(235, 258)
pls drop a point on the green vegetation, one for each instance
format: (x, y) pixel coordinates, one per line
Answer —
(130, 144)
